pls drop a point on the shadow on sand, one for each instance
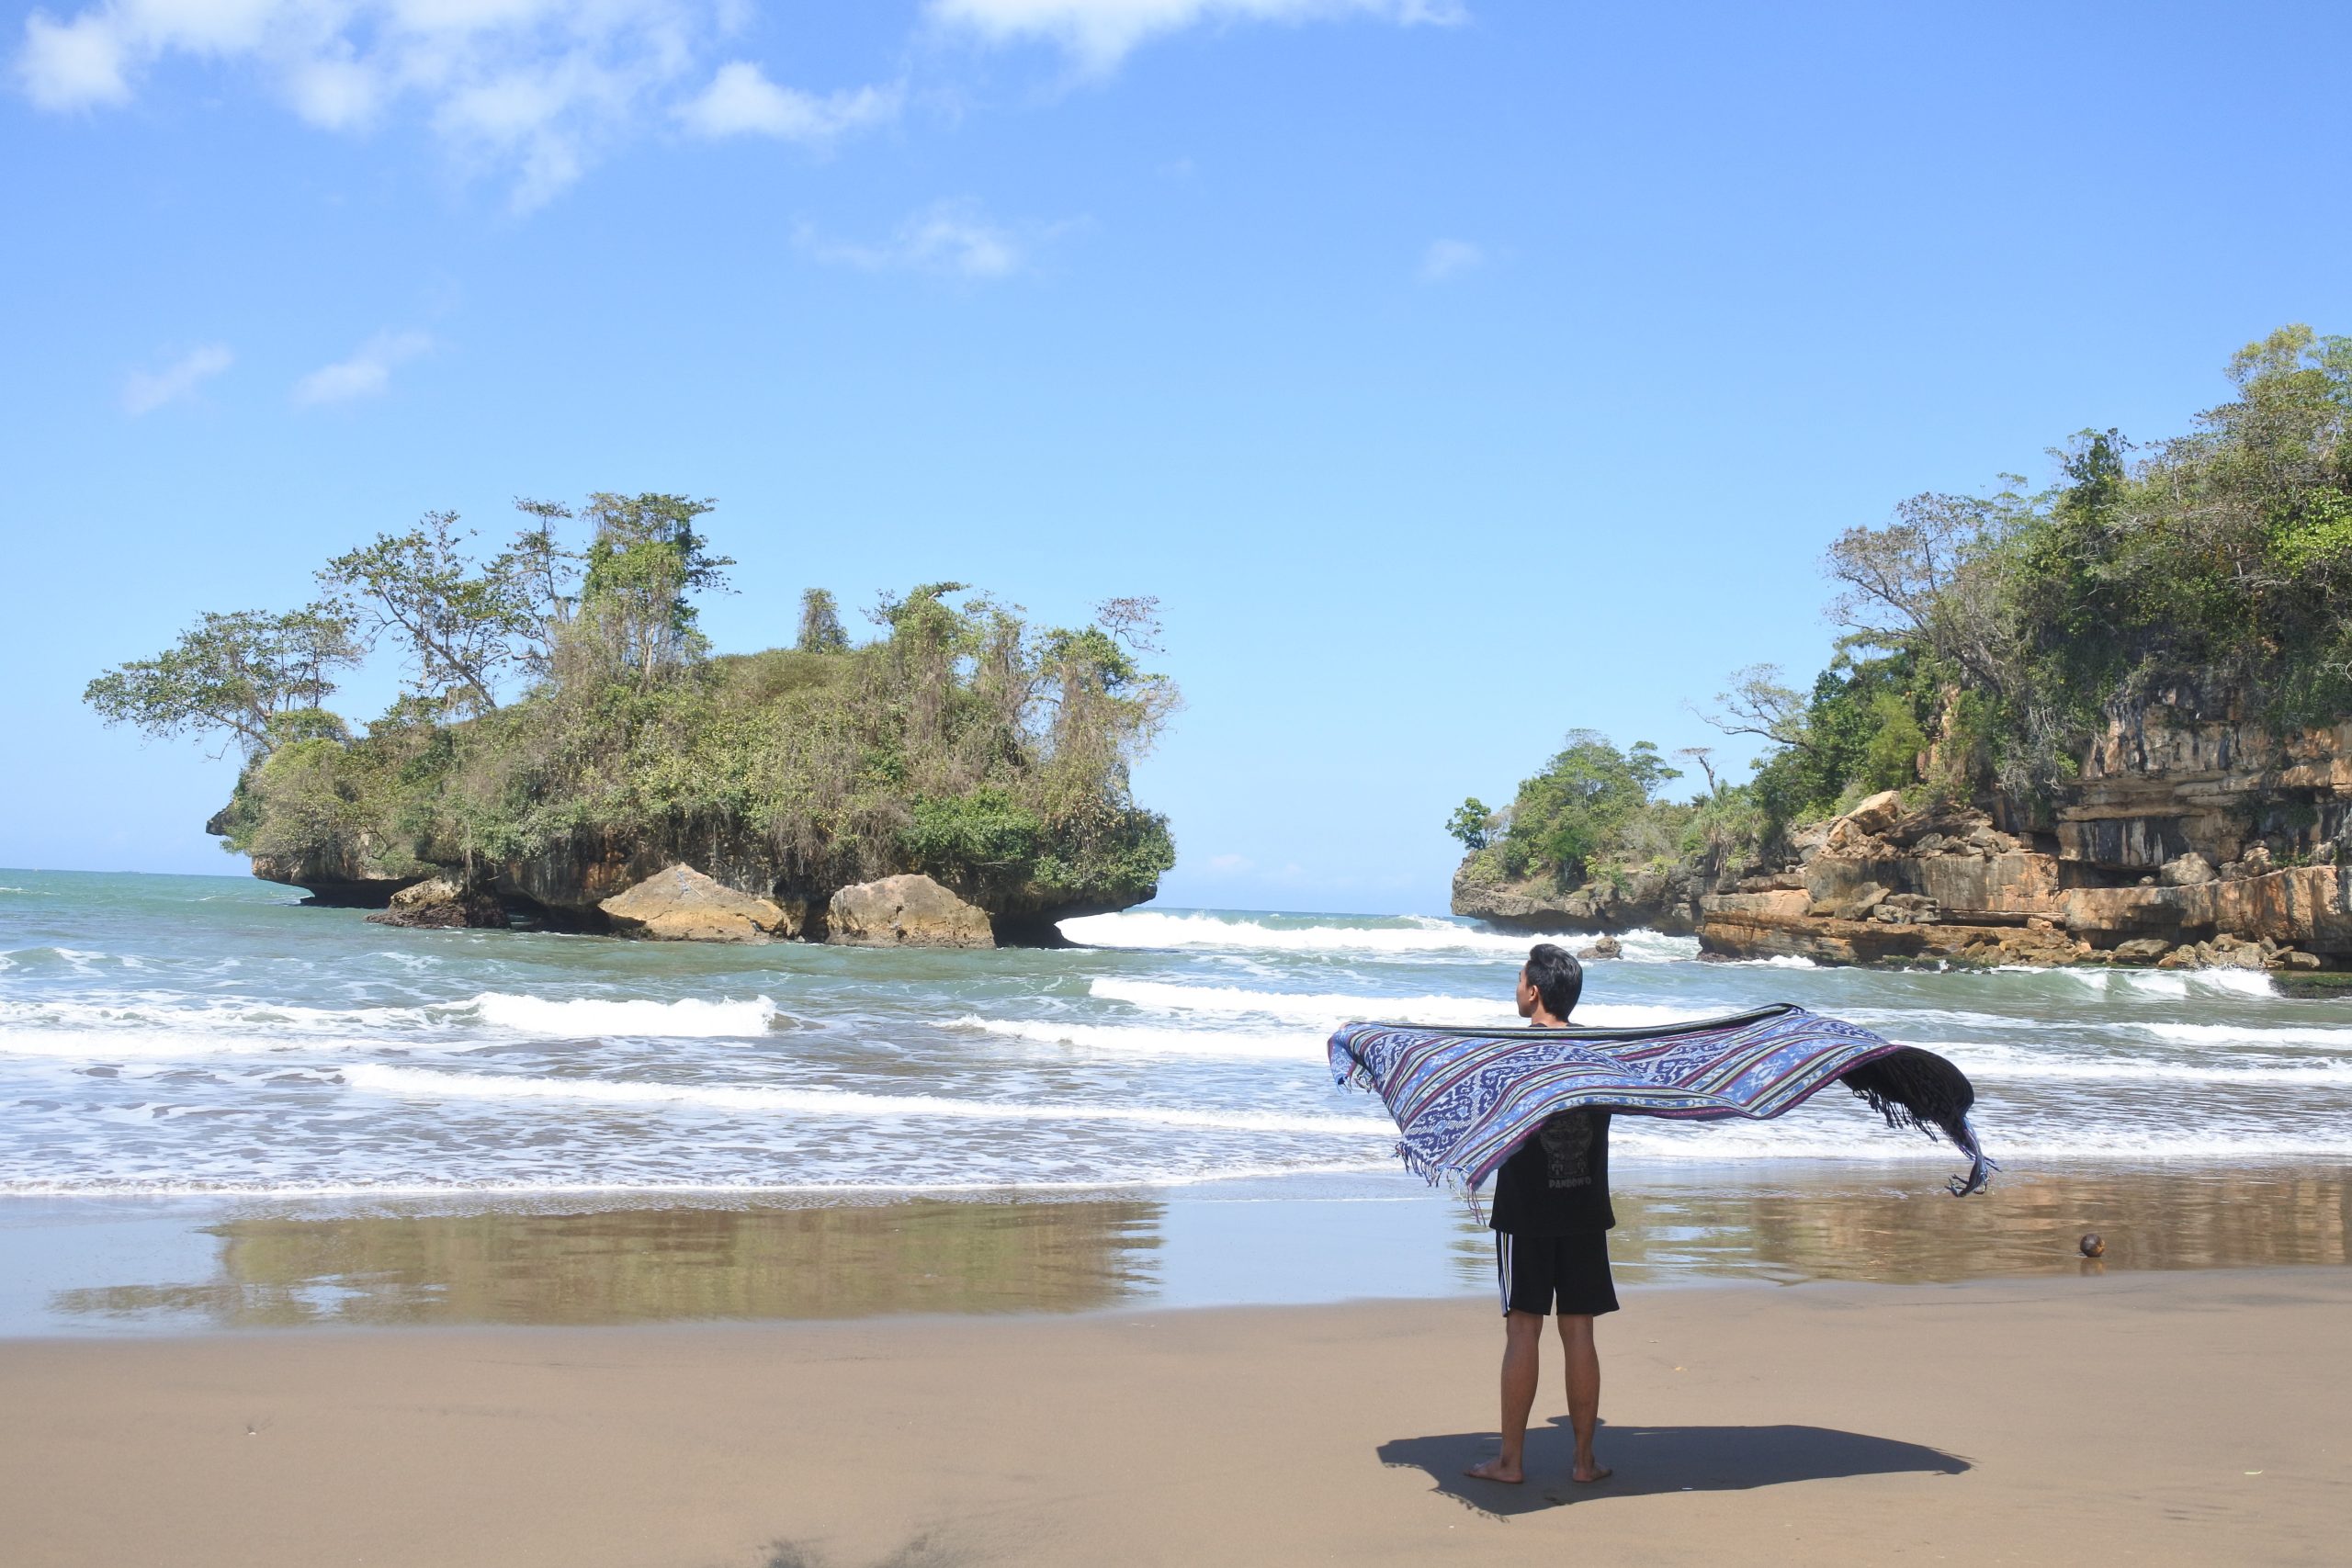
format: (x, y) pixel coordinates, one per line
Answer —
(1659, 1459)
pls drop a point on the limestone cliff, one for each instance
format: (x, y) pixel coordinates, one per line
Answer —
(2190, 836)
(565, 886)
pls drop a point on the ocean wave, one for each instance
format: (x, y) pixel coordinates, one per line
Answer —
(81, 961)
(1743, 1142)
(1397, 935)
(2250, 1034)
(690, 1018)
(1303, 1045)
(1997, 1063)
(2173, 985)
(1320, 1008)
(426, 1083)
(1326, 1009)
(181, 1186)
(148, 1027)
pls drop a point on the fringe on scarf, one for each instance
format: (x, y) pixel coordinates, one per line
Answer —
(1920, 1090)
(1442, 1176)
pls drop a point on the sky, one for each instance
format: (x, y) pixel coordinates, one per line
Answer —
(1455, 372)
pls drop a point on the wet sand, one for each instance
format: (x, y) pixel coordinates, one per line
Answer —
(79, 1266)
(2142, 1418)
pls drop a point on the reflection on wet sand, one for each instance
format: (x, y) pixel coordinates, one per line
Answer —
(649, 1265)
(2031, 1223)
(315, 1268)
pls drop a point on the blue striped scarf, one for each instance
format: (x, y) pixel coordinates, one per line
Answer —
(1464, 1100)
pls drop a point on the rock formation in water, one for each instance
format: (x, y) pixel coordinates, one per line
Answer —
(680, 904)
(1648, 899)
(905, 911)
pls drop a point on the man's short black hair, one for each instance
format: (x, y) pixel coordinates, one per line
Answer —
(1556, 975)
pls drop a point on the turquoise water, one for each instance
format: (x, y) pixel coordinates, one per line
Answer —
(199, 1035)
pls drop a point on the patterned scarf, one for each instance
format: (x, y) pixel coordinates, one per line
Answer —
(1467, 1099)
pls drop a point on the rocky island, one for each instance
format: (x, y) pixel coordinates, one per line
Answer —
(2107, 723)
(568, 753)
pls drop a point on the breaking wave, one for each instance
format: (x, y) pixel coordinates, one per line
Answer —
(433, 1084)
(1396, 936)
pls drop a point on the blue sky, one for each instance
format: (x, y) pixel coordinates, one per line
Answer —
(1456, 373)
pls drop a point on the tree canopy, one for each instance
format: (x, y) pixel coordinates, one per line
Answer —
(247, 677)
(554, 692)
(1988, 635)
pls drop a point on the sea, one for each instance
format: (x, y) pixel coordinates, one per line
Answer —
(181, 1056)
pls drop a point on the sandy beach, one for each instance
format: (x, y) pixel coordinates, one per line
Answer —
(2146, 1417)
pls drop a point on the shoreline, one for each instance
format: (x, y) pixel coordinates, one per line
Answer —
(117, 1268)
(2019, 1426)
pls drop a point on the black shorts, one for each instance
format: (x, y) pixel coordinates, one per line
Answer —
(1566, 1274)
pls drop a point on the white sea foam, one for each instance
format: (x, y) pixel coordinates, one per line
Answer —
(691, 1018)
(1994, 1063)
(2170, 984)
(1328, 1010)
(1646, 1139)
(424, 1083)
(124, 1046)
(148, 1027)
(750, 1186)
(2250, 1034)
(1402, 935)
(1300, 1045)
(1323, 1008)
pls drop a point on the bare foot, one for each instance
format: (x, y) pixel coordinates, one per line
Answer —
(1496, 1469)
(1589, 1471)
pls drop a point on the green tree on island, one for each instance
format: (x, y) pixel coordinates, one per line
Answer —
(251, 679)
(558, 701)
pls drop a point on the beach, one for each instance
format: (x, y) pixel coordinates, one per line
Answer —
(324, 1242)
(2149, 1417)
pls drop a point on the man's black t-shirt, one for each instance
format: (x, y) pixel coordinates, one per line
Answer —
(1556, 1183)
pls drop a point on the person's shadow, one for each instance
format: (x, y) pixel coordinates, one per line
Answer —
(1659, 1459)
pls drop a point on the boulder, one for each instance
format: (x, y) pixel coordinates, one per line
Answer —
(1877, 814)
(442, 903)
(2142, 949)
(2191, 870)
(905, 911)
(680, 904)
(1607, 947)
(1865, 899)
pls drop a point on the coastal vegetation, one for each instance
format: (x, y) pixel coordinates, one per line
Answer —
(561, 702)
(1989, 639)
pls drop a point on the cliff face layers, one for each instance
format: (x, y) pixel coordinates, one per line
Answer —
(2191, 837)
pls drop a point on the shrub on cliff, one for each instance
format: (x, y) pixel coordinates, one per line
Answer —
(962, 742)
(2219, 560)
(1989, 633)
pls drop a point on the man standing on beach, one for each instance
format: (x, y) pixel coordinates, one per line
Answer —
(1552, 1221)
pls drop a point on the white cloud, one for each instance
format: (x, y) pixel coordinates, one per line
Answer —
(741, 101)
(363, 375)
(1098, 34)
(144, 392)
(950, 237)
(532, 90)
(72, 65)
(1450, 258)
